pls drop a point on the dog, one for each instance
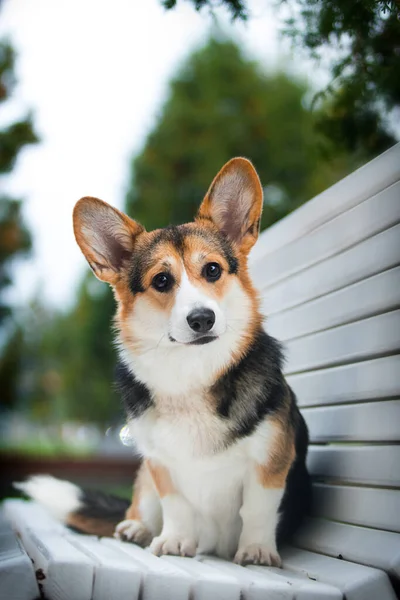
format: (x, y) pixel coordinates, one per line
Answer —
(223, 442)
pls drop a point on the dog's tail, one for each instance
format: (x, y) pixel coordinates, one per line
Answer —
(84, 510)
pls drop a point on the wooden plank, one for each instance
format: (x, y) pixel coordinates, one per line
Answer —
(255, 586)
(24, 512)
(374, 465)
(304, 587)
(356, 582)
(371, 547)
(366, 422)
(361, 340)
(116, 576)
(365, 220)
(208, 582)
(17, 575)
(65, 571)
(350, 191)
(160, 579)
(372, 296)
(366, 380)
(370, 507)
(369, 257)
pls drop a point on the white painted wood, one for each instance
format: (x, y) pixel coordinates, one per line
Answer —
(357, 582)
(303, 587)
(161, 580)
(17, 576)
(65, 571)
(21, 512)
(374, 465)
(370, 256)
(116, 576)
(371, 547)
(375, 214)
(208, 582)
(347, 193)
(255, 586)
(366, 380)
(348, 343)
(377, 294)
(366, 422)
(370, 507)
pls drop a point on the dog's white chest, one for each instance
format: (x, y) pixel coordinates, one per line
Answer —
(180, 428)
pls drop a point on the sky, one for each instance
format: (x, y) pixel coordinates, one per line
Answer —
(95, 75)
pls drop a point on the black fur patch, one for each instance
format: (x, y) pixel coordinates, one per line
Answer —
(175, 235)
(297, 499)
(253, 388)
(98, 505)
(135, 395)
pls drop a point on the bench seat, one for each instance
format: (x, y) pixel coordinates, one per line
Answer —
(329, 277)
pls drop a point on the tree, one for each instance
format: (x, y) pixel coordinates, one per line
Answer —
(221, 105)
(363, 36)
(14, 237)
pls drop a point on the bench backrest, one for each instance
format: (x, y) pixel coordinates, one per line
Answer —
(329, 275)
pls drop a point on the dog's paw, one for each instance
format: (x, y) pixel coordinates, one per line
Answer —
(257, 554)
(133, 531)
(175, 545)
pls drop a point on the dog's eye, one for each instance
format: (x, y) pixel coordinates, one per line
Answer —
(162, 282)
(212, 271)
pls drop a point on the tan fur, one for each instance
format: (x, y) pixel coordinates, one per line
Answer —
(161, 478)
(90, 525)
(282, 453)
(143, 484)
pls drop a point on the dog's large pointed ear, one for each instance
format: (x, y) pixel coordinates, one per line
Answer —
(234, 203)
(106, 237)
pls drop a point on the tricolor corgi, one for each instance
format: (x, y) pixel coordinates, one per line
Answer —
(222, 439)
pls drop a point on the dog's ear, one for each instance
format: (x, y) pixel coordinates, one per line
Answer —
(106, 237)
(234, 203)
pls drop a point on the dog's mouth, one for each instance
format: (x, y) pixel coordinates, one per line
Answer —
(200, 341)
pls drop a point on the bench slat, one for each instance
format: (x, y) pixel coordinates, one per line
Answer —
(374, 465)
(357, 582)
(367, 422)
(369, 507)
(356, 382)
(365, 220)
(208, 582)
(342, 196)
(116, 576)
(254, 586)
(160, 579)
(352, 342)
(17, 575)
(371, 256)
(377, 294)
(371, 547)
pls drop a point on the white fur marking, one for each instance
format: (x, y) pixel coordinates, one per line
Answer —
(59, 497)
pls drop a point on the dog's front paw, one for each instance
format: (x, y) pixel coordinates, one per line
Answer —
(175, 545)
(257, 554)
(133, 531)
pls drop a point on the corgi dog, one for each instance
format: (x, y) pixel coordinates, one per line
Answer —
(221, 436)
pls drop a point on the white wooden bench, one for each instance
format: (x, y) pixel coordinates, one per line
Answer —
(329, 276)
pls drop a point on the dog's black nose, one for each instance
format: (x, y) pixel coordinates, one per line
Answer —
(201, 320)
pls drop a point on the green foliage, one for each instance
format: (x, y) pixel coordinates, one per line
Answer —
(14, 238)
(363, 39)
(222, 105)
(364, 36)
(237, 8)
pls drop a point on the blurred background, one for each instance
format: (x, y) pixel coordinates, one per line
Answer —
(140, 102)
